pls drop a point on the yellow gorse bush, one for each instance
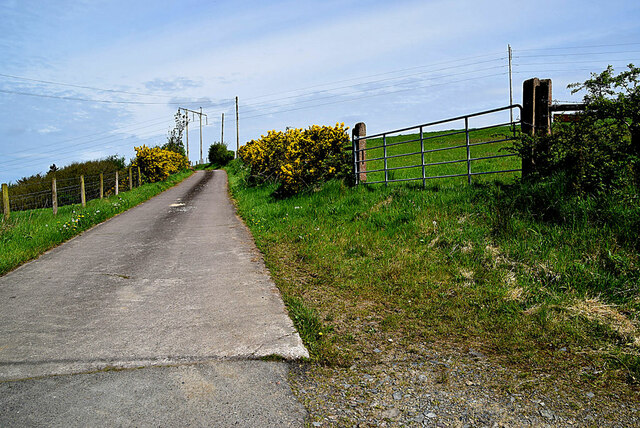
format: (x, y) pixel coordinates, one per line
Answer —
(298, 158)
(157, 164)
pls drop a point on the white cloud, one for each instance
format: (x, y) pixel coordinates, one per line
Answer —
(48, 130)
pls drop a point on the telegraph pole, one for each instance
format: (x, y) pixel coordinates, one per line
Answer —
(222, 136)
(510, 85)
(187, 134)
(200, 114)
(237, 130)
(201, 160)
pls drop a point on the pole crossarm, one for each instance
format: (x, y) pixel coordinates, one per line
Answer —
(200, 114)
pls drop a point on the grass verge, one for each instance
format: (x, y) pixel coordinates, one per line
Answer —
(544, 283)
(27, 234)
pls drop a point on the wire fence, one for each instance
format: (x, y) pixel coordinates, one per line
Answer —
(68, 191)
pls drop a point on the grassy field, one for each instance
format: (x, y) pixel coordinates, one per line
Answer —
(540, 281)
(28, 234)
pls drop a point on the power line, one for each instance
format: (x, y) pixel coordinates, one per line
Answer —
(577, 54)
(58, 153)
(626, 61)
(579, 47)
(96, 101)
(108, 138)
(391, 86)
(376, 75)
(377, 95)
(382, 80)
(82, 87)
(554, 71)
(230, 102)
(155, 122)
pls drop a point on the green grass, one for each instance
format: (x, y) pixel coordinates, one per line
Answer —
(527, 275)
(28, 234)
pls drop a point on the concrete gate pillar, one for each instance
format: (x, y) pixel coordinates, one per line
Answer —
(360, 130)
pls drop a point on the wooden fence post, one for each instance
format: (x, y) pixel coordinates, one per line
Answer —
(139, 178)
(116, 182)
(83, 196)
(360, 130)
(54, 196)
(101, 186)
(130, 179)
(5, 200)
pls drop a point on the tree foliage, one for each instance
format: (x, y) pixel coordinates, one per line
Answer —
(615, 98)
(174, 139)
(219, 155)
(600, 150)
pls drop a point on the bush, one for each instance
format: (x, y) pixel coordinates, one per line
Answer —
(219, 155)
(600, 151)
(157, 164)
(299, 158)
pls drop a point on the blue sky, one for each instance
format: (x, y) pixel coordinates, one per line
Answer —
(123, 68)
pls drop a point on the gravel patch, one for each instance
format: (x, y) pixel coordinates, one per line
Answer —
(452, 389)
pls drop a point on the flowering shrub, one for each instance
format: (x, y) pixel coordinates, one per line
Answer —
(298, 158)
(156, 164)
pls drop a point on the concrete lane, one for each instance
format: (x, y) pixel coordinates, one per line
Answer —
(173, 281)
(215, 394)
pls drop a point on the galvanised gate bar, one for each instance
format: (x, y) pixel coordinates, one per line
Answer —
(395, 157)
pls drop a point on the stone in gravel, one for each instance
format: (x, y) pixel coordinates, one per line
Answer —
(590, 395)
(546, 414)
(419, 419)
(391, 413)
(368, 377)
(422, 378)
(431, 415)
(397, 395)
(316, 424)
(475, 354)
(376, 350)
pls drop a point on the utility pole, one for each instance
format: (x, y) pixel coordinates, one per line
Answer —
(510, 85)
(237, 130)
(201, 160)
(187, 134)
(200, 114)
(222, 136)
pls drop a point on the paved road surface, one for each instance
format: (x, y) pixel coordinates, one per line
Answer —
(174, 297)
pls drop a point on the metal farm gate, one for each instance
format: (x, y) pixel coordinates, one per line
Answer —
(417, 153)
